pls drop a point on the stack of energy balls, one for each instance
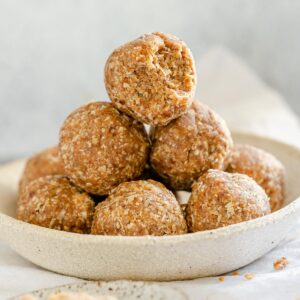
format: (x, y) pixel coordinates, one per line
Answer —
(108, 176)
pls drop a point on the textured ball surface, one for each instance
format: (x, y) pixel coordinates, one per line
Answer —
(151, 78)
(220, 199)
(136, 208)
(263, 167)
(102, 147)
(54, 202)
(190, 145)
(47, 162)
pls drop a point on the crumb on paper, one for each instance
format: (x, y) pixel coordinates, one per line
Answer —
(280, 263)
(235, 273)
(249, 276)
(221, 278)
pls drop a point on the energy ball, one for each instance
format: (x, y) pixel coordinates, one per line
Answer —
(47, 162)
(54, 202)
(102, 147)
(263, 167)
(187, 147)
(152, 78)
(136, 208)
(220, 199)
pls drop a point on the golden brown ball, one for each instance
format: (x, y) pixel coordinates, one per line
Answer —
(102, 147)
(151, 78)
(220, 199)
(136, 208)
(263, 167)
(187, 147)
(54, 202)
(47, 162)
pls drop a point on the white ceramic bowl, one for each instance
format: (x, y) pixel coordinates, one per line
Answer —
(153, 258)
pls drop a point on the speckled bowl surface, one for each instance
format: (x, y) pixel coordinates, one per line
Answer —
(179, 257)
(122, 290)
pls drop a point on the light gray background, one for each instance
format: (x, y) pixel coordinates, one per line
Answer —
(52, 53)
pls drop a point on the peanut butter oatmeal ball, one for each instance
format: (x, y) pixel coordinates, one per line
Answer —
(102, 147)
(135, 208)
(152, 78)
(190, 145)
(54, 202)
(263, 167)
(47, 162)
(220, 199)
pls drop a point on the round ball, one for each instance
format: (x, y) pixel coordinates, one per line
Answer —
(190, 145)
(151, 78)
(47, 162)
(263, 167)
(135, 208)
(54, 202)
(102, 147)
(220, 199)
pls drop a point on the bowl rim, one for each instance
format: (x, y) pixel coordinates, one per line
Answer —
(274, 217)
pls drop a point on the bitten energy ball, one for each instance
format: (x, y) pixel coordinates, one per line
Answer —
(190, 145)
(220, 199)
(102, 147)
(47, 162)
(263, 167)
(143, 207)
(54, 202)
(152, 78)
